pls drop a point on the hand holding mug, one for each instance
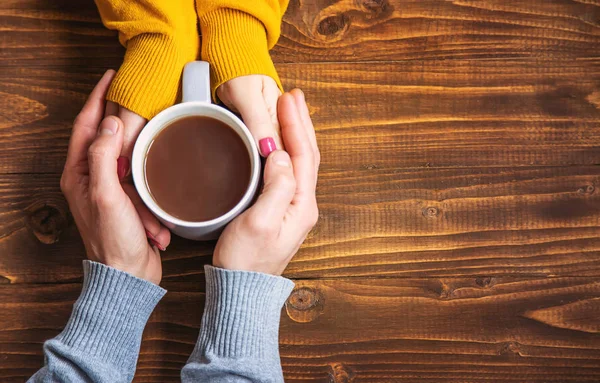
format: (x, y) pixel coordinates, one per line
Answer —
(133, 125)
(266, 236)
(255, 97)
(108, 214)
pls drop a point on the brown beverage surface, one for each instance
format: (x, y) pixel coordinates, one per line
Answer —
(197, 168)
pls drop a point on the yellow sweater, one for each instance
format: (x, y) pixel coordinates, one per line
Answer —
(161, 36)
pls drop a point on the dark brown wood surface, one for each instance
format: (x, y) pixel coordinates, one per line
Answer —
(459, 238)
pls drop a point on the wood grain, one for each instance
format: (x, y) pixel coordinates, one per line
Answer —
(323, 30)
(39, 241)
(414, 222)
(66, 32)
(361, 330)
(387, 115)
(459, 192)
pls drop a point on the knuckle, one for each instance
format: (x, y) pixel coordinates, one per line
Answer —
(312, 217)
(82, 120)
(79, 119)
(65, 184)
(287, 183)
(272, 111)
(97, 151)
(102, 200)
(262, 226)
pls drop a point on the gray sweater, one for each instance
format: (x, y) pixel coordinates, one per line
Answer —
(238, 339)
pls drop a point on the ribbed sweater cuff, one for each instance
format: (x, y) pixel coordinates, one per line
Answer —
(241, 317)
(235, 44)
(110, 315)
(149, 78)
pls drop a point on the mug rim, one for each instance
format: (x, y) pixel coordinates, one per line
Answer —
(163, 120)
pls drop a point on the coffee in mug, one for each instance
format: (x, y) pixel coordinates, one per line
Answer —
(196, 165)
(197, 168)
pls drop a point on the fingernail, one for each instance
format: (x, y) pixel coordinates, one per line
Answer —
(154, 242)
(301, 93)
(280, 158)
(149, 235)
(122, 166)
(266, 146)
(108, 127)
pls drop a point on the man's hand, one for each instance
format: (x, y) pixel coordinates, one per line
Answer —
(266, 236)
(108, 214)
(133, 125)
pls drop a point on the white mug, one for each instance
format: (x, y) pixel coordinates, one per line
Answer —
(196, 102)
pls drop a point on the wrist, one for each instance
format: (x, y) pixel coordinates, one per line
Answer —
(244, 38)
(146, 272)
(249, 303)
(267, 269)
(148, 80)
(112, 311)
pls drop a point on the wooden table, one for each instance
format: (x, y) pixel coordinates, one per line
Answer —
(459, 191)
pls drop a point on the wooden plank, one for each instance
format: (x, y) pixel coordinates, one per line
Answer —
(395, 115)
(468, 113)
(362, 330)
(62, 32)
(415, 222)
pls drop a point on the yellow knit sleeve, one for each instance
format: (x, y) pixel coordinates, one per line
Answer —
(237, 36)
(160, 36)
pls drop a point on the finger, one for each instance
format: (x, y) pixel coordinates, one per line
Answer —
(255, 99)
(154, 229)
(299, 147)
(112, 109)
(86, 123)
(308, 125)
(278, 191)
(271, 94)
(257, 117)
(134, 124)
(103, 155)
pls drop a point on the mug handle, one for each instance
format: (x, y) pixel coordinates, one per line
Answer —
(196, 82)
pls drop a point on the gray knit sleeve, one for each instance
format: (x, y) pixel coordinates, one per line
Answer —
(239, 334)
(101, 341)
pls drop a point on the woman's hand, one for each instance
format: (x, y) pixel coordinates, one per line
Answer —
(266, 236)
(107, 213)
(255, 97)
(133, 122)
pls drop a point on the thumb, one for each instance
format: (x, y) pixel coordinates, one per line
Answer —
(278, 191)
(103, 155)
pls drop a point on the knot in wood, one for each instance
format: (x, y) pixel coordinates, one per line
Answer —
(340, 373)
(303, 299)
(511, 348)
(447, 292)
(47, 223)
(430, 212)
(588, 189)
(333, 26)
(485, 282)
(305, 304)
(377, 7)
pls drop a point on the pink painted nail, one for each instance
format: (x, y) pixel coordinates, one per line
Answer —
(154, 242)
(122, 166)
(266, 146)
